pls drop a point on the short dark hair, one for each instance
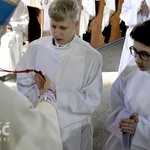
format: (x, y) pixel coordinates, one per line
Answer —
(141, 33)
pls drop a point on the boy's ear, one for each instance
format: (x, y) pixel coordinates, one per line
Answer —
(76, 23)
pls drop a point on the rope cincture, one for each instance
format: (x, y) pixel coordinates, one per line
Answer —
(15, 71)
(22, 71)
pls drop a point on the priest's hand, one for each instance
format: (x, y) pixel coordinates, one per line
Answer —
(44, 83)
(129, 124)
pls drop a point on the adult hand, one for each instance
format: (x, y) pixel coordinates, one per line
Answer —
(129, 124)
(144, 7)
(44, 83)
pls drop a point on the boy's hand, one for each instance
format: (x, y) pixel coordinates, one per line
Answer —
(129, 124)
(44, 83)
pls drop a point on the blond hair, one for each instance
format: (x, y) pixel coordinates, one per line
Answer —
(61, 10)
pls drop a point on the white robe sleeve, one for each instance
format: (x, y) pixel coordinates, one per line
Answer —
(27, 128)
(26, 82)
(89, 6)
(129, 13)
(118, 110)
(141, 136)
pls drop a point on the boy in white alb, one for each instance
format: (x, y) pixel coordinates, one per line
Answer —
(128, 118)
(74, 67)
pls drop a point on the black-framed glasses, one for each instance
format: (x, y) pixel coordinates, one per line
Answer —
(142, 54)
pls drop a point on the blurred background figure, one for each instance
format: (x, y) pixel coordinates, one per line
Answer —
(133, 12)
(46, 20)
(11, 48)
(35, 19)
(19, 26)
(87, 14)
(109, 10)
(39, 24)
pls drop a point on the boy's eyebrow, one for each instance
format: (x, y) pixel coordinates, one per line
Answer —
(140, 50)
(64, 26)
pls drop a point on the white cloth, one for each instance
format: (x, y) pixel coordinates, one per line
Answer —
(33, 3)
(19, 23)
(9, 51)
(75, 68)
(109, 10)
(27, 127)
(46, 25)
(131, 18)
(87, 13)
(12, 42)
(129, 95)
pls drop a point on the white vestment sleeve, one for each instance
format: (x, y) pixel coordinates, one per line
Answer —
(109, 10)
(118, 110)
(26, 82)
(28, 128)
(89, 6)
(84, 22)
(111, 4)
(87, 13)
(141, 136)
(129, 13)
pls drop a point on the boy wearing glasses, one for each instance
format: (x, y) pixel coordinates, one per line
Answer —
(129, 115)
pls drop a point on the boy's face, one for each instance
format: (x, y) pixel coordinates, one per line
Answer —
(63, 31)
(143, 65)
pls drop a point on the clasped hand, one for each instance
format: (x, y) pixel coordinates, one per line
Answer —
(129, 124)
(144, 7)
